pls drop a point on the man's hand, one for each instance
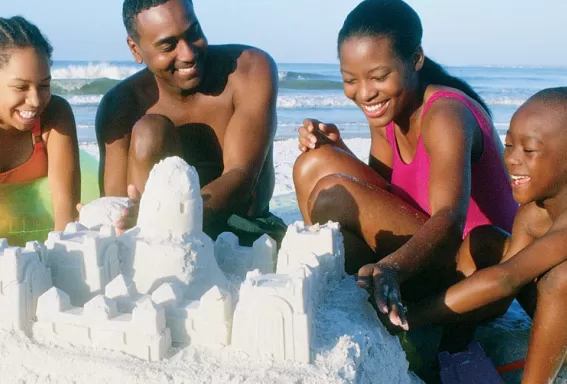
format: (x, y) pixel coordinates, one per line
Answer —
(129, 216)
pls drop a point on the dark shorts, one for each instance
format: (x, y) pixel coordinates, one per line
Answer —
(249, 229)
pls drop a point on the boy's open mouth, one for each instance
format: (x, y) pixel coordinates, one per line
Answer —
(518, 180)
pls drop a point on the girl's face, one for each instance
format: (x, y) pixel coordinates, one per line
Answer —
(375, 78)
(24, 89)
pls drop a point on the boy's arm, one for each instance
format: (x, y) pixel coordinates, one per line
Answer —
(248, 136)
(113, 125)
(63, 165)
(527, 259)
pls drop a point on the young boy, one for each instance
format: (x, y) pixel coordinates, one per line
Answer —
(534, 265)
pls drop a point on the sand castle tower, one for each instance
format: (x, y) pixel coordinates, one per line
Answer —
(171, 206)
(168, 244)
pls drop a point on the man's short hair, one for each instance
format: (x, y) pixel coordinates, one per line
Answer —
(131, 9)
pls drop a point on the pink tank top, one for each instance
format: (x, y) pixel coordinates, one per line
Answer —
(491, 200)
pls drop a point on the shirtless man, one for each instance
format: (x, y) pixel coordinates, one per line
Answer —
(214, 106)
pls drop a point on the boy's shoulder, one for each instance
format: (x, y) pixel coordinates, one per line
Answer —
(534, 219)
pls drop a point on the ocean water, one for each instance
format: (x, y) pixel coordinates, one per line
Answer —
(307, 90)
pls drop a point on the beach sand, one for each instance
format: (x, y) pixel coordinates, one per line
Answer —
(25, 360)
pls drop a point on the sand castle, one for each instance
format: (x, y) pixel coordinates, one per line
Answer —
(165, 283)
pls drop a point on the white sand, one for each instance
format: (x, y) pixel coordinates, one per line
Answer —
(350, 349)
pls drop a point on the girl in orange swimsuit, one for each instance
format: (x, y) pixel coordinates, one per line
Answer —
(38, 136)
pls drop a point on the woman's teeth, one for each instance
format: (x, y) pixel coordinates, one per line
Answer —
(27, 114)
(375, 107)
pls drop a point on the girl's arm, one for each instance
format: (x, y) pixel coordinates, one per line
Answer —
(63, 154)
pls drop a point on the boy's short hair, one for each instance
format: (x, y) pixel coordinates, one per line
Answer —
(552, 97)
(131, 9)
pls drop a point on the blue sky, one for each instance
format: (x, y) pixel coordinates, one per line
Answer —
(456, 32)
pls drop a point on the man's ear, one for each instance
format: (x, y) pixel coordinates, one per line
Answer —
(419, 58)
(135, 50)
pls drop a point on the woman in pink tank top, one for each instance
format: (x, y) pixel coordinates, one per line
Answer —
(435, 172)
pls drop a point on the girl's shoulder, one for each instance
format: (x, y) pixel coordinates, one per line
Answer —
(57, 115)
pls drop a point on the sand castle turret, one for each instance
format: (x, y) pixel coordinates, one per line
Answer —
(171, 205)
(168, 244)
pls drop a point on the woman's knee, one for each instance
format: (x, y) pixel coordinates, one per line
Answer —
(152, 135)
(308, 164)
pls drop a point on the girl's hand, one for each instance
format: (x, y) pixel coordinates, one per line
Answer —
(382, 284)
(314, 133)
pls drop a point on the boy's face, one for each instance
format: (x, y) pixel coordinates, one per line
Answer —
(536, 153)
(171, 44)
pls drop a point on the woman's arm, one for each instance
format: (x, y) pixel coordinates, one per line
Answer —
(447, 131)
(63, 154)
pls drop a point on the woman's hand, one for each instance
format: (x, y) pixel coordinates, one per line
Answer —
(384, 288)
(314, 133)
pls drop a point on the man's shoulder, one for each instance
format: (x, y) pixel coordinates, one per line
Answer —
(247, 59)
(124, 103)
(127, 93)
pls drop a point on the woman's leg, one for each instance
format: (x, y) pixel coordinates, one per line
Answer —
(374, 222)
(312, 166)
(548, 340)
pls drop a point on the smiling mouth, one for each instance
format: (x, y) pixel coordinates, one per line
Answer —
(27, 115)
(376, 110)
(187, 70)
(518, 180)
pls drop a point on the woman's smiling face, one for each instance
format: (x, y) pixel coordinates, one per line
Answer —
(375, 78)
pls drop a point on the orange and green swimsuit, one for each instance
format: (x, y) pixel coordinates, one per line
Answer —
(34, 168)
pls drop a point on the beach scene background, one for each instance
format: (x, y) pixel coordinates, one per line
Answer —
(306, 90)
(507, 50)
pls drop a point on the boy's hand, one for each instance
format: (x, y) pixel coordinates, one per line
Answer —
(382, 284)
(129, 215)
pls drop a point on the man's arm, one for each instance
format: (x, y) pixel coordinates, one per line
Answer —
(248, 136)
(114, 121)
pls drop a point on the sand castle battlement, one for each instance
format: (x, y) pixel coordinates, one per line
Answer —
(141, 333)
(82, 261)
(165, 282)
(24, 276)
